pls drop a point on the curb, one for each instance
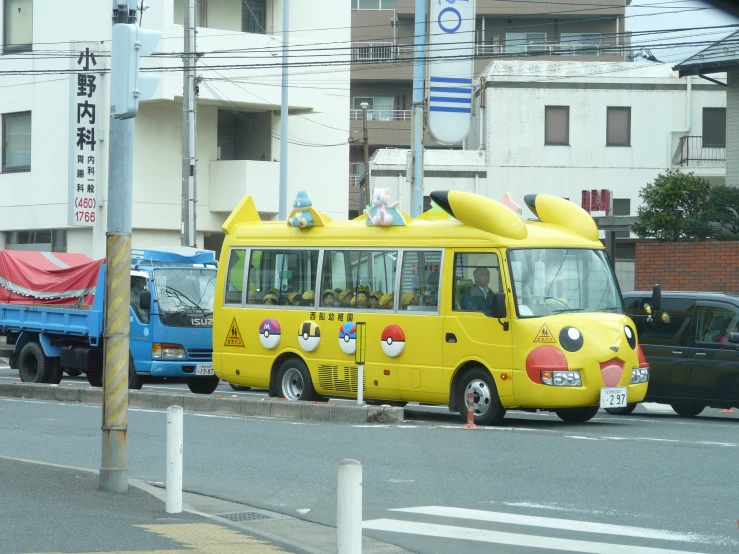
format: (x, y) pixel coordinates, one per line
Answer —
(268, 407)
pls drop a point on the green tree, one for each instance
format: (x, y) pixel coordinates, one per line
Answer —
(723, 208)
(675, 208)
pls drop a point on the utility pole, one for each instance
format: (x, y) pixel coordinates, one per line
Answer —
(127, 87)
(419, 90)
(363, 192)
(189, 119)
(282, 214)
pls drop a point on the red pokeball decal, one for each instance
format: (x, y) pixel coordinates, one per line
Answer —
(393, 340)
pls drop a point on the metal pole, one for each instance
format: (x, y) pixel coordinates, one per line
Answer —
(114, 466)
(175, 449)
(419, 89)
(349, 508)
(282, 214)
(363, 196)
(189, 111)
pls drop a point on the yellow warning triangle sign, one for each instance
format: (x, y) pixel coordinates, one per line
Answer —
(234, 335)
(545, 335)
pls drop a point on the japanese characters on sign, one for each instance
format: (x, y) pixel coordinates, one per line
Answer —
(451, 40)
(84, 144)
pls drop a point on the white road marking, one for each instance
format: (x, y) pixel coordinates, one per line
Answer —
(512, 539)
(717, 443)
(581, 437)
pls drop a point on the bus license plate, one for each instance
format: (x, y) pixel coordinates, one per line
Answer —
(613, 397)
(204, 369)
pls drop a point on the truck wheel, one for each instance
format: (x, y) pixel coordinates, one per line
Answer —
(486, 405)
(56, 372)
(203, 385)
(73, 372)
(577, 415)
(294, 381)
(135, 382)
(95, 378)
(622, 411)
(33, 365)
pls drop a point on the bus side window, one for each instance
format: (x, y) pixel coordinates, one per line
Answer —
(284, 277)
(235, 277)
(357, 278)
(476, 278)
(419, 283)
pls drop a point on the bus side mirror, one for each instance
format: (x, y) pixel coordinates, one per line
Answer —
(145, 300)
(499, 309)
(656, 297)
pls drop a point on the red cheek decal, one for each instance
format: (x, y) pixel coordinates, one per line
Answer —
(544, 358)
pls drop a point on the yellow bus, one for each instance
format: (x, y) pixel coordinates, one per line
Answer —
(469, 298)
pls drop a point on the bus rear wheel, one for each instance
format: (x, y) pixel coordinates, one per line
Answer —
(486, 405)
(294, 381)
(577, 415)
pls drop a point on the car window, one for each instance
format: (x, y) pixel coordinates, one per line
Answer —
(713, 324)
(658, 332)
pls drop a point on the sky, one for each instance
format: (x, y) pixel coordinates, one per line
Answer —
(676, 14)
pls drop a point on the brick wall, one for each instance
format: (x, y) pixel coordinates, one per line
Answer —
(711, 266)
(732, 128)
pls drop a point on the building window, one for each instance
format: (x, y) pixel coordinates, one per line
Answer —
(580, 44)
(374, 4)
(714, 127)
(526, 43)
(618, 127)
(254, 16)
(557, 125)
(18, 31)
(622, 206)
(379, 108)
(16, 142)
(51, 240)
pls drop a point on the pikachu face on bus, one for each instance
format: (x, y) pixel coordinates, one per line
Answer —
(468, 305)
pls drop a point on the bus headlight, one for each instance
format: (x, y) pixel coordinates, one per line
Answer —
(167, 351)
(639, 375)
(561, 378)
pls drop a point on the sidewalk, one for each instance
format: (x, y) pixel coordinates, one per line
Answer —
(53, 509)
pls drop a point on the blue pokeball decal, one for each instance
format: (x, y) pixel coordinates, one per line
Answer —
(269, 333)
(348, 338)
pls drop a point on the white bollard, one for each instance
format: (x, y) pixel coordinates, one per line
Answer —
(174, 459)
(349, 508)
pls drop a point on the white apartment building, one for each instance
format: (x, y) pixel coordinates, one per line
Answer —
(44, 102)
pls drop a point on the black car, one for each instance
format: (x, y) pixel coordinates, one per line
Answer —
(693, 353)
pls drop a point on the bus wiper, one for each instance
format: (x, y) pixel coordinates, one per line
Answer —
(567, 310)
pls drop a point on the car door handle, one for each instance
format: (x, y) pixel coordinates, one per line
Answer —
(451, 337)
(677, 351)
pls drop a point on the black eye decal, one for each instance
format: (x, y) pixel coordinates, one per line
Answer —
(570, 339)
(630, 336)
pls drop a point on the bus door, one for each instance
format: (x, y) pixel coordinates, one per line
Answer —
(469, 331)
(419, 325)
(140, 328)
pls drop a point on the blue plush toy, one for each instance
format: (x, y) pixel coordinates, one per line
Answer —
(302, 216)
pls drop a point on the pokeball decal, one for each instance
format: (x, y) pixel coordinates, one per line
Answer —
(269, 333)
(393, 341)
(309, 336)
(348, 338)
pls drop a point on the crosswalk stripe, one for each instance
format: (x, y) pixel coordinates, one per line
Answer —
(552, 523)
(511, 539)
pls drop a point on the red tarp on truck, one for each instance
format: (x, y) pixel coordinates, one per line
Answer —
(47, 278)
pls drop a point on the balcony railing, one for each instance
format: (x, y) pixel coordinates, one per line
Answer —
(356, 173)
(700, 151)
(387, 51)
(381, 115)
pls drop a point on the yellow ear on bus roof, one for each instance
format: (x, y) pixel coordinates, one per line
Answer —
(552, 209)
(244, 212)
(481, 213)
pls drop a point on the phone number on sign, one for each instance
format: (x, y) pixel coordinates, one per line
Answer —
(85, 216)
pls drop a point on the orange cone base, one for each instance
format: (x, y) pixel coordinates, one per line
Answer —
(729, 411)
(469, 426)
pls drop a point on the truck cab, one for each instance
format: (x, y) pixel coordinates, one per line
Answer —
(172, 316)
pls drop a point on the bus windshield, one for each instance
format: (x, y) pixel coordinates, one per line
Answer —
(185, 295)
(549, 281)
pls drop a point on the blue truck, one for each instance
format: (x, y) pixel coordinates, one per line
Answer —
(170, 331)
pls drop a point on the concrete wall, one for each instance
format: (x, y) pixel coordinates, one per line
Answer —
(701, 266)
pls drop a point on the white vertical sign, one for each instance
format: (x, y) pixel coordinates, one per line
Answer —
(451, 67)
(84, 146)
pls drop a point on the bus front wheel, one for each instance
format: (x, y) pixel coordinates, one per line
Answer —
(577, 415)
(294, 381)
(486, 405)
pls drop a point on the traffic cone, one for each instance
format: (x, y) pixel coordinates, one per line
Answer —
(470, 412)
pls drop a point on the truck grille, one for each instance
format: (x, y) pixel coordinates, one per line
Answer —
(199, 354)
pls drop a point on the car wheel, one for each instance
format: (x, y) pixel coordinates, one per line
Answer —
(239, 388)
(203, 385)
(486, 405)
(687, 409)
(577, 415)
(294, 381)
(622, 411)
